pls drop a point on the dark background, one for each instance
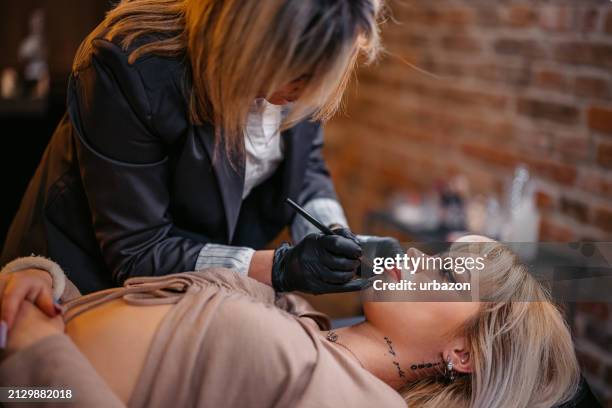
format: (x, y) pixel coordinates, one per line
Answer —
(25, 126)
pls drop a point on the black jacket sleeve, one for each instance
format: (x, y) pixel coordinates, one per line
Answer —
(317, 181)
(124, 167)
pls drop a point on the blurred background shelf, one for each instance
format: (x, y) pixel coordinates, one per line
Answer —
(23, 108)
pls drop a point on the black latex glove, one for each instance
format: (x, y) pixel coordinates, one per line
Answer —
(380, 246)
(317, 264)
(344, 232)
(371, 245)
(374, 247)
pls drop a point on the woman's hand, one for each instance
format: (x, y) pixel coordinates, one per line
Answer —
(33, 285)
(318, 264)
(377, 247)
(30, 326)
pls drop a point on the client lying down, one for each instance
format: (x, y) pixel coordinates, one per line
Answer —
(217, 339)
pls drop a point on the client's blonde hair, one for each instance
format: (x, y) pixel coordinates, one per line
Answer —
(520, 346)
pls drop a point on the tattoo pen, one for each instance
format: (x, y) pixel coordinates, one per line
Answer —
(324, 229)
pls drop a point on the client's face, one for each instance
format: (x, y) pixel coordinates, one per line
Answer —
(291, 92)
(431, 330)
(430, 316)
(428, 321)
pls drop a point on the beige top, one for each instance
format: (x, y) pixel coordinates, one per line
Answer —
(226, 342)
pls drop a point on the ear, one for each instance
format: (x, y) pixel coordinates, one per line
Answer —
(459, 355)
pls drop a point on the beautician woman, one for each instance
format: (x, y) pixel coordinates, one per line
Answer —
(170, 157)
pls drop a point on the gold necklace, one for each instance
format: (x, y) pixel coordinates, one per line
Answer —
(332, 337)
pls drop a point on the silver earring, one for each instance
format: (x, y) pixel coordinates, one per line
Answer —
(450, 371)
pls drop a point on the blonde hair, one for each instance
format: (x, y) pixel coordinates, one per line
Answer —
(238, 50)
(520, 346)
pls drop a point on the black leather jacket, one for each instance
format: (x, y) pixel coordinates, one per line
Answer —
(127, 185)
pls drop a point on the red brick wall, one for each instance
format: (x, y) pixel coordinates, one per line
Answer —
(520, 82)
(496, 84)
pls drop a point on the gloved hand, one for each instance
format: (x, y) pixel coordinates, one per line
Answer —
(375, 247)
(344, 232)
(318, 264)
(371, 245)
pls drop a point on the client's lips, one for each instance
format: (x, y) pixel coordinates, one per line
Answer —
(395, 274)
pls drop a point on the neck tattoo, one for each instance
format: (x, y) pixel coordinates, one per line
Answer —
(332, 336)
(393, 355)
(421, 366)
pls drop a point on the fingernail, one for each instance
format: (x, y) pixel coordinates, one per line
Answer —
(59, 309)
(3, 333)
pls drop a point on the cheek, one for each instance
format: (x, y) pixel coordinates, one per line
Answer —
(418, 316)
(423, 315)
(452, 314)
(294, 89)
(427, 318)
(299, 87)
(464, 311)
(373, 309)
(276, 99)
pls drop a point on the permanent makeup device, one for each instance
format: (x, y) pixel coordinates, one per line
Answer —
(321, 227)
(324, 229)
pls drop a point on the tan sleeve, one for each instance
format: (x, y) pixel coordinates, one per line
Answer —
(300, 307)
(70, 292)
(56, 362)
(238, 283)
